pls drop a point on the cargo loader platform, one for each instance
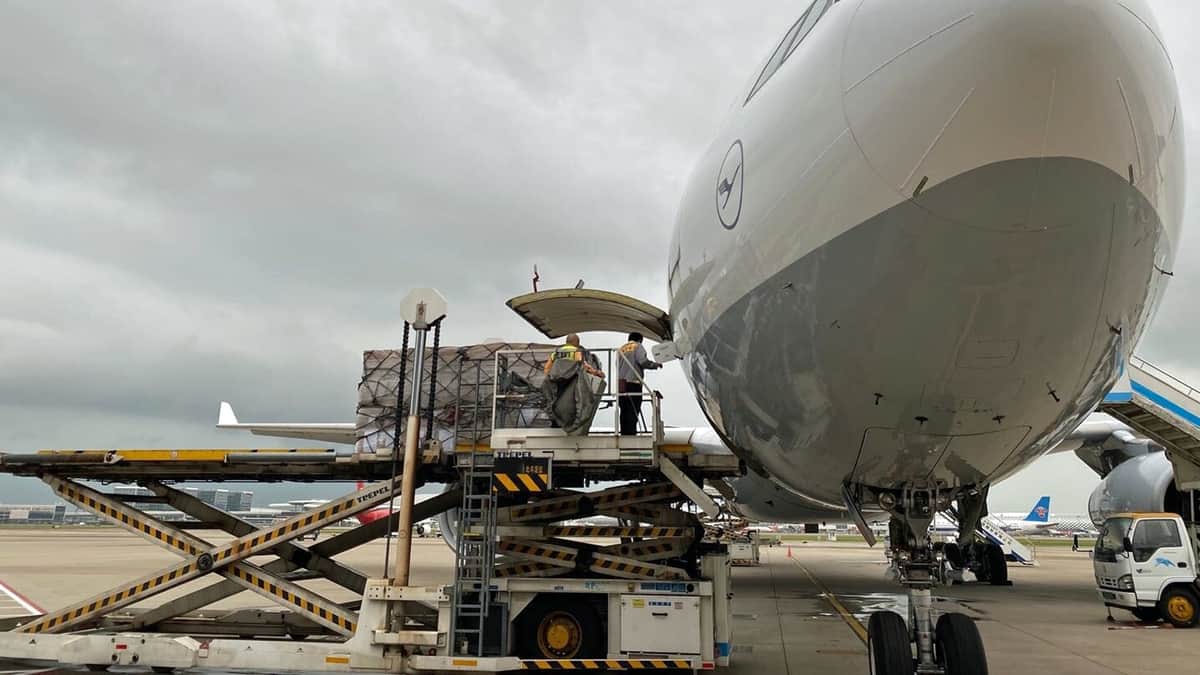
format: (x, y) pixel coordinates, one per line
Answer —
(538, 584)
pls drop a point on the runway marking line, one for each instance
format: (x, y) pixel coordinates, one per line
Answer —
(851, 620)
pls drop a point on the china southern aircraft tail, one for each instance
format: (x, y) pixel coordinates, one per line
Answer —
(1040, 512)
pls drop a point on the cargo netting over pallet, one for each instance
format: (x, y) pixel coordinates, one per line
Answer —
(462, 402)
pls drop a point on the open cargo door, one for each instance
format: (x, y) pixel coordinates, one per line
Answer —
(569, 310)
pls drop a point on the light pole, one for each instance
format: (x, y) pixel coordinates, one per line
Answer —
(421, 308)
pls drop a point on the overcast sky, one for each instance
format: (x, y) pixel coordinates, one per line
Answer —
(206, 201)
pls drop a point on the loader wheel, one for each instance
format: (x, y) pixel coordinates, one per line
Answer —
(954, 555)
(1180, 607)
(997, 566)
(560, 628)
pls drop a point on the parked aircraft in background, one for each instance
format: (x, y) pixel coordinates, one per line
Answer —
(1039, 521)
(1036, 521)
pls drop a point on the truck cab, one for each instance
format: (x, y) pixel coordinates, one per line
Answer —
(1146, 563)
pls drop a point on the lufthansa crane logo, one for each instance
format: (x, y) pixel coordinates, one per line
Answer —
(729, 186)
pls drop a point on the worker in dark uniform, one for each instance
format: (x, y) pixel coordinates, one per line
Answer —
(632, 364)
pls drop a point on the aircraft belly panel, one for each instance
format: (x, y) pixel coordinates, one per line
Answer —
(967, 459)
(998, 341)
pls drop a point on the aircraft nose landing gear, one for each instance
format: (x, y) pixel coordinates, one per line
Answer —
(951, 645)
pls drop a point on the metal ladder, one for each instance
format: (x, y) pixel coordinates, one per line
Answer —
(475, 557)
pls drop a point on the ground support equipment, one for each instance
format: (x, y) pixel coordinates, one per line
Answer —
(539, 583)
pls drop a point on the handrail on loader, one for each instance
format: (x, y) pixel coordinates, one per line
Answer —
(509, 413)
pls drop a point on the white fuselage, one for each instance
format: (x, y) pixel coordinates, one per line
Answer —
(920, 251)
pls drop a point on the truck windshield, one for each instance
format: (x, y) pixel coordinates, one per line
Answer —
(1108, 544)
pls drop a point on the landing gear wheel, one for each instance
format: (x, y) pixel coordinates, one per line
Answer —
(1146, 614)
(889, 651)
(1180, 607)
(560, 628)
(954, 555)
(959, 647)
(997, 565)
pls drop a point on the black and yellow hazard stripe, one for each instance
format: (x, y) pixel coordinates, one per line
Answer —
(642, 512)
(317, 608)
(84, 611)
(648, 550)
(639, 493)
(520, 482)
(296, 525)
(529, 569)
(533, 550)
(544, 510)
(605, 664)
(634, 568)
(233, 551)
(86, 498)
(611, 531)
(612, 498)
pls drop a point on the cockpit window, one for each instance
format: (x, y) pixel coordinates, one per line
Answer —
(791, 40)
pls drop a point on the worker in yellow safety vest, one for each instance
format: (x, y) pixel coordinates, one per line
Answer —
(574, 351)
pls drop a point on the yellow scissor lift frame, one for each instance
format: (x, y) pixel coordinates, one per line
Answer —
(538, 553)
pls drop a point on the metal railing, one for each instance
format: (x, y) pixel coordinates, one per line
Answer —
(1165, 377)
(523, 405)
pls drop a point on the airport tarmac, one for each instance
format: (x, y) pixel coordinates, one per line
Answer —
(788, 611)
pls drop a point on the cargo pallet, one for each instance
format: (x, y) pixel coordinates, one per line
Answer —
(528, 592)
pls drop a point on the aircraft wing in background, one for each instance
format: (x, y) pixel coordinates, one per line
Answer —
(328, 432)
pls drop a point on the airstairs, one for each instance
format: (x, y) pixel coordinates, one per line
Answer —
(1163, 408)
(993, 531)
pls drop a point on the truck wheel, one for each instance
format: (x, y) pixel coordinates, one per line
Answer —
(997, 565)
(889, 651)
(959, 647)
(1180, 607)
(561, 628)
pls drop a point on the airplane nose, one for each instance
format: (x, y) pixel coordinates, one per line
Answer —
(976, 82)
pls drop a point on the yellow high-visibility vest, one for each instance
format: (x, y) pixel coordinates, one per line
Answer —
(567, 352)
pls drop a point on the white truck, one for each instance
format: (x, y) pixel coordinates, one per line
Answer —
(1146, 563)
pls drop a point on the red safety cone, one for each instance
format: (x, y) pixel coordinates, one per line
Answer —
(789, 550)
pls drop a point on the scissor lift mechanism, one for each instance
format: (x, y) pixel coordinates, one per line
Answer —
(532, 542)
(508, 545)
